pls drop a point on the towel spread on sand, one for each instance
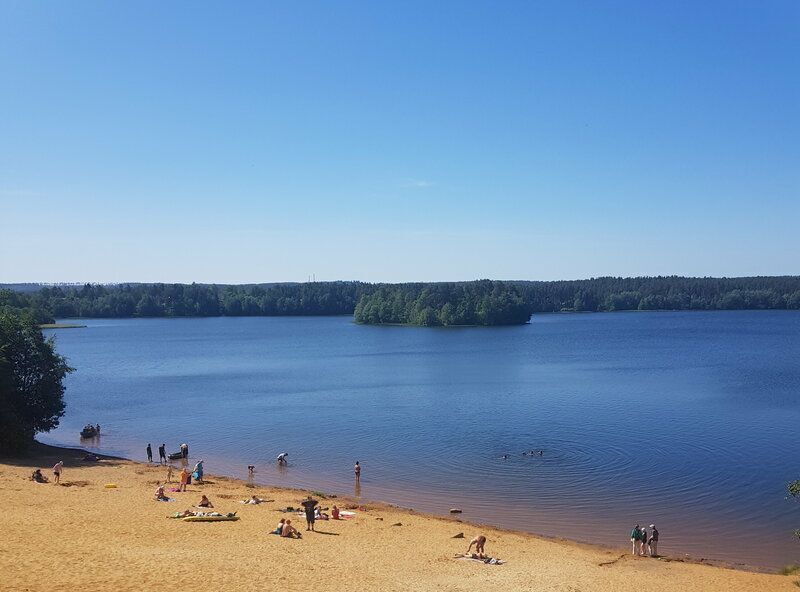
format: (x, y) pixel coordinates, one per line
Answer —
(486, 560)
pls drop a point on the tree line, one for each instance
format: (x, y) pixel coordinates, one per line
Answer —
(457, 303)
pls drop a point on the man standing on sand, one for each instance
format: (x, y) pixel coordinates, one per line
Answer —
(652, 542)
(309, 505)
(636, 536)
(149, 453)
(357, 471)
(57, 470)
(479, 542)
(162, 453)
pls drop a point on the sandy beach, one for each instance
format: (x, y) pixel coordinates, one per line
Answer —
(83, 535)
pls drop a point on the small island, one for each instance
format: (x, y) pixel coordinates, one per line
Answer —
(466, 304)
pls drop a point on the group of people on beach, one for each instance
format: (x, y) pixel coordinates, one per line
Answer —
(644, 543)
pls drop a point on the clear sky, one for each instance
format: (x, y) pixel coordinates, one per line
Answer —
(398, 141)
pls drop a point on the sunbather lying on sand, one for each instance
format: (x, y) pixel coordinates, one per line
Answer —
(253, 500)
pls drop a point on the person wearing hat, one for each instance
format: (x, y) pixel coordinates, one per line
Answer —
(652, 542)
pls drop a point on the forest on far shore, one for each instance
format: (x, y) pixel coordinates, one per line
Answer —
(481, 302)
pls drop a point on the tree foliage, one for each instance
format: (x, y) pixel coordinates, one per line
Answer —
(31, 380)
(467, 303)
(335, 298)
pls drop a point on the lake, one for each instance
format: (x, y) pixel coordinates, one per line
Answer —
(683, 419)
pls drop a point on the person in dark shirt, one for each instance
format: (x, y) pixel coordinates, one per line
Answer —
(636, 536)
(309, 505)
(652, 542)
(162, 453)
(149, 453)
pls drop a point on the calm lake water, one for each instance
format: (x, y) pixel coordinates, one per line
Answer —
(687, 420)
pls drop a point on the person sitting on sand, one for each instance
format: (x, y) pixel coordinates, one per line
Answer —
(253, 500)
(279, 529)
(38, 477)
(160, 496)
(335, 513)
(288, 531)
(205, 502)
(321, 515)
(479, 542)
(57, 470)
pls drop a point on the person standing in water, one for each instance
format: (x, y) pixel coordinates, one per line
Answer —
(185, 450)
(636, 536)
(162, 453)
(652, 542)
(357, 471)
(282, 459)
(149, 453)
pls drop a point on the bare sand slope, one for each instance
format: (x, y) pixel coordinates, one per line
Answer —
(83, 536)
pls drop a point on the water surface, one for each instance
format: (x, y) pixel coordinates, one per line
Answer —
(688, 420)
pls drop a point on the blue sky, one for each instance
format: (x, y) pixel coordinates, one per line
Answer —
(251, 142)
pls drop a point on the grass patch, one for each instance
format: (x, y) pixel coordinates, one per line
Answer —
(791, 569)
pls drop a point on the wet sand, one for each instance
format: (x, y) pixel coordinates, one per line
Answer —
(82, 535)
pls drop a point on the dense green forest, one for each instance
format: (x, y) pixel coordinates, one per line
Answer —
(464, 303)
(480, 302)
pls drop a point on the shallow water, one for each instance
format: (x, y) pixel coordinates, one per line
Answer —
(687, 420)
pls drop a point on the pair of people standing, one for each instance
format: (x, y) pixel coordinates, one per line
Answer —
(644, 543)
(162, 453)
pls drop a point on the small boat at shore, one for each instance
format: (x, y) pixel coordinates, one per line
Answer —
(175, 455)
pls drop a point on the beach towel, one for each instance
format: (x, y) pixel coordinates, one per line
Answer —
(168, 499)
(486, 560)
